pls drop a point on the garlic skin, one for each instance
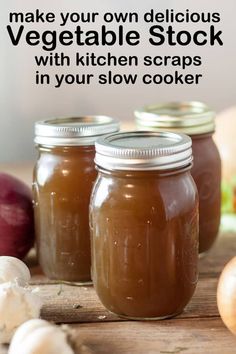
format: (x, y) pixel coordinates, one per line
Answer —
(39, 336)
(13, 269)
(17, 305)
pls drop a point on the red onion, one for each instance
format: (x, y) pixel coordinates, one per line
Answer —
(16, 217)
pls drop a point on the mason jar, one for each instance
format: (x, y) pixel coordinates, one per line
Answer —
(144, 224)
(63, 178)
(198, 121)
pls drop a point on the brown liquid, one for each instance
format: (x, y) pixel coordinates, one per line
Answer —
(144, 228)
(206, 172)
(63, 180)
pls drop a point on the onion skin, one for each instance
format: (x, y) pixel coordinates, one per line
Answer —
(16, 217)
(226, 295)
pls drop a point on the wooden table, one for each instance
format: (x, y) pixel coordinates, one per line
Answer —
(198, 329)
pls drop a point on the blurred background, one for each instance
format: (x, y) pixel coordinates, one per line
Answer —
(23, 102)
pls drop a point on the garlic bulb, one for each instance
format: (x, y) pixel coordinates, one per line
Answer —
(17, 305)
(12, 269)
(39, 336)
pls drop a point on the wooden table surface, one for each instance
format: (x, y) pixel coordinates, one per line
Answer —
(198, 330)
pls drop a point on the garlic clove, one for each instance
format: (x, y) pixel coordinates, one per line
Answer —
(13, 269)
(37, 337)
(17, 305)
(26, 329)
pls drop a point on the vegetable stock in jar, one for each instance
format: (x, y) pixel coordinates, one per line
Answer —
(198, 121)
(63, 178)
(144, 224)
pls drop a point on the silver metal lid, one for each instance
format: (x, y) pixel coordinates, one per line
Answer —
(140, 151)
(74, 131)
(186, 117)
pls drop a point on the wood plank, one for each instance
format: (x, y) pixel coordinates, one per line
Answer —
(214, 261)
(72, 304)
(185, 336)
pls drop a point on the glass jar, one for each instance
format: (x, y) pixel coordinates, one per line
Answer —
(63, 178)
(144, 224)
(196, 120)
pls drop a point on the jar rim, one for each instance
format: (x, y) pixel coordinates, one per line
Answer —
(74, 131)
(140, 173)
(138, 151)
(191, 117)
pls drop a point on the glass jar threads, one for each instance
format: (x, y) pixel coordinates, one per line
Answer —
(197, 120)
(63, 178)
(144, 224)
